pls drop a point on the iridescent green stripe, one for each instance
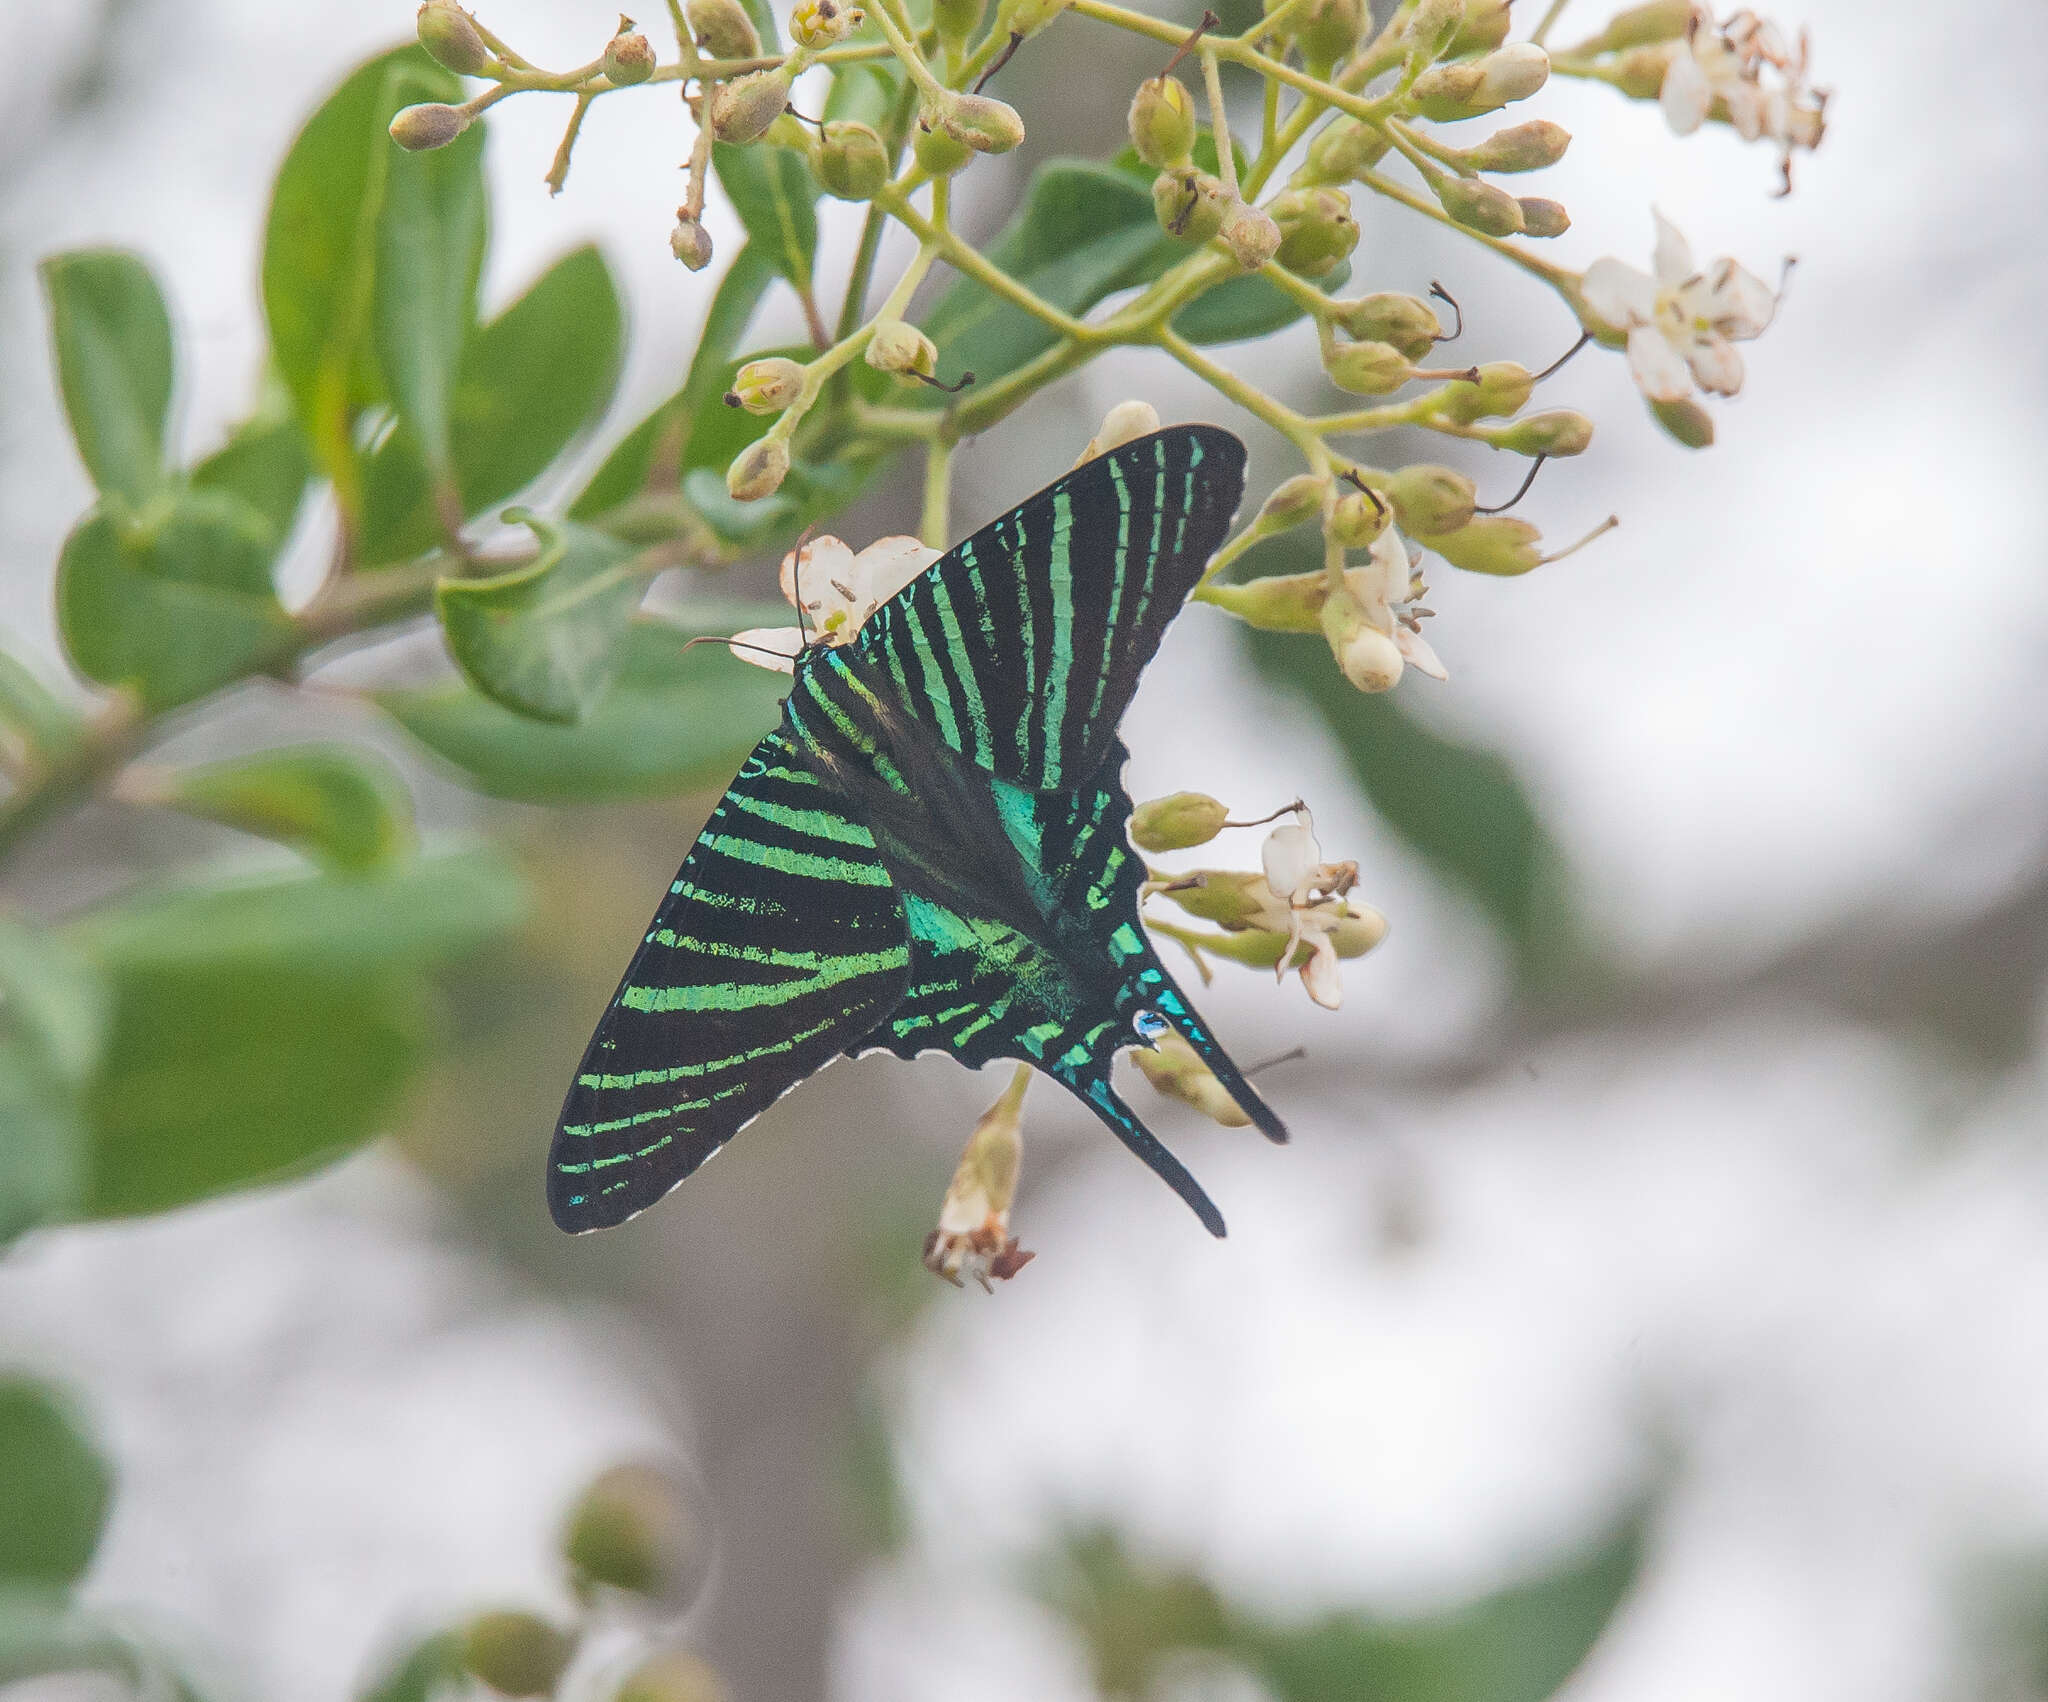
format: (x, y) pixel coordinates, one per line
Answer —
(956, 647)
(710, 1067)
(857, 872)
(815, 824)
(934, 679)
(728, 996)
(1060, 578)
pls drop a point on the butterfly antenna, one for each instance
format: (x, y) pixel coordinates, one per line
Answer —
(733, 644)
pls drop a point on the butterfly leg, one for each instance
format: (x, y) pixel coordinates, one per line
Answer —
(1102, 1100)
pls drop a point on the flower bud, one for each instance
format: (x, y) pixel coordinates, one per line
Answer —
(1478, 205)
(723, 29)
(673, 1676)
(758, 470)
(1233, 897)
(766, 386)
(743, 109)
(1358, 520)
(1188, 203)
(1429, 500)
(1174, 1068)
(985, 124)
(1686, 421)
(450, 37)
(628, 58)
(1555, 432)
(1407, 322)
(973, 1235)
(1500, 544)
(1026, 17)
(690, 242)
(1344, 150)
(631, 1530)
(957, 19)
(1370, 659)
(1327, 30)
(1279, 602)
(1640, 26)
(516, 1653)
(819, 24)
(1358, 931)
(1451, 92)
(1367, 369)
(1177, 821)
(1520, 147)
(1542, 217)
(432, 125)
(1316, 230)
(1484, 28)
(1293, 501)
(938, 153)
(1639, 73)
(900, 348)
(851, 159)
(1431, 26)
(1162, 122)
(1250, 234)
(1124, 423)
(1503, 387)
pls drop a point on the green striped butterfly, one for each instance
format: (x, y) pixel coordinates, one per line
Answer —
(930, 851)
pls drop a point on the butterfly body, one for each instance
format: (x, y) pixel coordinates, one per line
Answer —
(930, 852)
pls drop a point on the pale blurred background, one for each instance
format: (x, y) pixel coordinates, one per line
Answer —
(1752, 1229)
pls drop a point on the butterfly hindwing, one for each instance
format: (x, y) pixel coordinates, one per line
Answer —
(1022, 646)
(781, 942)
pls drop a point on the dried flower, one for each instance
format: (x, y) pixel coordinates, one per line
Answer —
(972, 1238)
(1725, 63)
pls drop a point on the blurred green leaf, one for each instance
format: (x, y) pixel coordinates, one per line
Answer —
(263, 1026)
(43, 720)
(1240, 309)
(114, 360)
(531, 381)
(53, 1487)
(346, 809)
(543, 639)
(421, 1672)
(763, 15)
(673, 721)
(53, 1018)
(866, 92)
(320, 249)
(44, 1633)
(775, 196)
(174, 605)
(264, 462)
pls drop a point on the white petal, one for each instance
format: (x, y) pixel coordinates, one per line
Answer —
(781, 644)
(1419, 654)
(1736, 302)
(1618, 294)
(823, 570)
(1124, 423)
(1716, 364)
(1686, 94)
(1657, 367)
(1322, 975)
(889, 564)
(1389, 573)
(1672, 258)
(1290, 855)
(1745, 109)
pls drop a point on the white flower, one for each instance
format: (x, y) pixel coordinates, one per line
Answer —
(1124, 423)
(1383, 585)
(1726, 63)
(834, 591)
(1681, 324)
(1307, 902)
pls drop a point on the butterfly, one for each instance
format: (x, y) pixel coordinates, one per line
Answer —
(930, 851)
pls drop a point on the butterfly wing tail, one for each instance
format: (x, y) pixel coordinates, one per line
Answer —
(1167, 1000)
(1094, 1091)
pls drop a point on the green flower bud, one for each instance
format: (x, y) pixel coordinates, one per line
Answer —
(1358, 520)
(1451, 92)
(1541, 217)
(516, 1653)
(628, 57)
(1026, 17)
(1370, 659)
(1367, 369)
(1639, 73)
(1177, 821)
(766, 386)
(1316, 230)
(1188, 203)
(1484, 28)
(1250, 234)
(1280, 602)
(851, 159)
(1500, 544)
(1163, 122)
(957, 19)
(431, 125)
(449, 35)
(818, 24)
(673, 1677)
(1503, 388)
(1520, 147)
(1327, 30)
(690, 242)
(1408, 322)
(985, 124)
(1292, 502)
(741, 110)
(1686, 421)
(723, 29)
(1555, 432)
(939, 153)
(1429, 500)
(901, 349)
(1344, 150)
(1641, 26)
(758, 470)
(1431, 26)
(1478, 205)
(1175, 1069)
(632, 1531)
(1230, 896)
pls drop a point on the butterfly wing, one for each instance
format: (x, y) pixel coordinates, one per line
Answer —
(1021, 648)
(781, 942)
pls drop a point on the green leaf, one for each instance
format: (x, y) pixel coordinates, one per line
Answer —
(113, 342)
(1239, 309)
(53, 1488)
(264, 1026)
(346, 809)
(431, 233)
(174, 605)
(43, 1632)
(764, 24)
(320, 249)
(265, 463)
(775, 196)
(43, 721)
(673, 721)
(53, 1016)
(543, 640)
(531, 382)
(429, 1668)
(866, 92)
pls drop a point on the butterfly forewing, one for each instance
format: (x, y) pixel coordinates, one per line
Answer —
(781, 942)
